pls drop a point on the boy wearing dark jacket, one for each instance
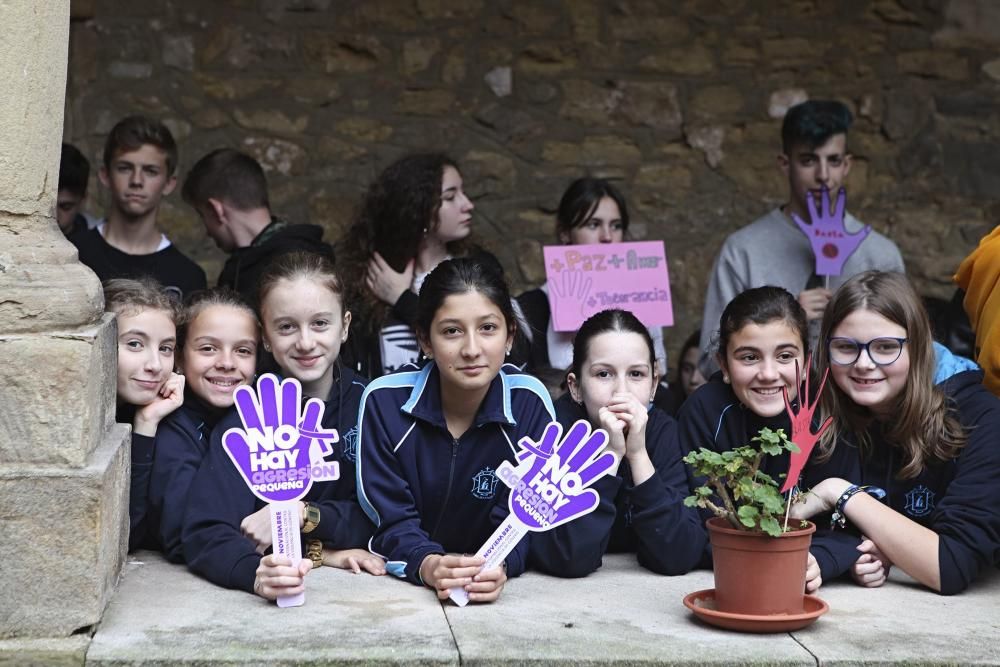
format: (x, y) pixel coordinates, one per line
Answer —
(229, 191)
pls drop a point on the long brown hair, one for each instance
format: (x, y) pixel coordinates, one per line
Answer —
(924, 426)
(399, 209)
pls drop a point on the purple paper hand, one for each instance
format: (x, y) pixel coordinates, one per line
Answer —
(550, 484)
(277, 438)
(569, 299)
(830, 241)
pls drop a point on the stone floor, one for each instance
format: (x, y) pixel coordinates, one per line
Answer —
(623, 615)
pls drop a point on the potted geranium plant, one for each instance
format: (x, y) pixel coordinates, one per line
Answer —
(758, 559)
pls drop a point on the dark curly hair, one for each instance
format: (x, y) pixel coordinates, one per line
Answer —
(400, 208)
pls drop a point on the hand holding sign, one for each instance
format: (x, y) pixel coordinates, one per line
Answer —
(279, 453)
(549, 487)
(831, 243)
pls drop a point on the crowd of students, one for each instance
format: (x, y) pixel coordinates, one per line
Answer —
(429, 371)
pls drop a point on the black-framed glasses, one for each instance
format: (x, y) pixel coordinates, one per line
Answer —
(882, 351)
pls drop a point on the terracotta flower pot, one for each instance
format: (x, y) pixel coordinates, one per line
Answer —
(758, 574)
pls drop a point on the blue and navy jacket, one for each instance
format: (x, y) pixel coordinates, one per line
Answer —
(649, 519)
(427, 492)
(957, 499)
(213, 544)
(180, 445)
(714, 418)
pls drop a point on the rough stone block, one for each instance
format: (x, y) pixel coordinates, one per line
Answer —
(64, 540)
(56, 405)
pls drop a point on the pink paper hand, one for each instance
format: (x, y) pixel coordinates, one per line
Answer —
(569, 299)
(802, 434)
(830, 241)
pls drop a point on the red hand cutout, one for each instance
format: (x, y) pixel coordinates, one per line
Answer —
(802, 434)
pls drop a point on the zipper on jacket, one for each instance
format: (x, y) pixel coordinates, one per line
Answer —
(447, 493)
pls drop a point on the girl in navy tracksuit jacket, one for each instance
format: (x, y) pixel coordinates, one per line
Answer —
(611, 384)
(147, 390)
(430, 440)
(931, 448)
(219, 338)
(226, 528)
(763, 336)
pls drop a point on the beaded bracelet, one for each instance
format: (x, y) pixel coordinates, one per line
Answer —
(839, 518)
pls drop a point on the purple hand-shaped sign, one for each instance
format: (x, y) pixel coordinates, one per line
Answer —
(550, 484)
(831, 243)
(280, 449)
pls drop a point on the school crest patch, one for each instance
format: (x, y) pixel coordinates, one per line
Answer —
(349, 441)
(919, 501)
(484, 483)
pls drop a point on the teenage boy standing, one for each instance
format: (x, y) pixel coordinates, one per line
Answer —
(140, 158)
(228, 190)
(772, 250)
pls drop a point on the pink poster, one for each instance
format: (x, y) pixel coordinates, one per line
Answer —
(586, 279)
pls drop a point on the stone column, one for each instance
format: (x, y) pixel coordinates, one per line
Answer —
(64, 464)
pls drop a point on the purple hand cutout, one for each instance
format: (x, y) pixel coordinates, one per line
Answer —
(550, 484)
(830, 241)
(279, 451)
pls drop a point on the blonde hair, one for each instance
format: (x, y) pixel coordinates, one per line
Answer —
(924, 426)
(294, 265)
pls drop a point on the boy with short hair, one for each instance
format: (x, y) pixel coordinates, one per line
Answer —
(772, 250)
(140, 158)
(228, 189)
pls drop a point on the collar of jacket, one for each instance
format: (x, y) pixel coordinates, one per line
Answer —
(424, 402)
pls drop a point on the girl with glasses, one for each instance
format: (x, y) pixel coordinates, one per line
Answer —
(928, 450)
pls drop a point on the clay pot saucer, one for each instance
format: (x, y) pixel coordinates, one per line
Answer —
(702, 603)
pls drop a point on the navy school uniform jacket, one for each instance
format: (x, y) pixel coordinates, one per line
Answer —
(713, 417)
(214, 546)
(427, 492)
(957, 499)
(649, 519)
(142, 472)
(180, 444)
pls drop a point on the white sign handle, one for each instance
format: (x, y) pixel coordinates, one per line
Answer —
(495, 551)
(286, 541)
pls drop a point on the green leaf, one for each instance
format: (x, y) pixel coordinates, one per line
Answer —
(771, 526)
(748, 516)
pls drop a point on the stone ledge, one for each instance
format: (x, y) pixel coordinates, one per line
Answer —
(622, 614)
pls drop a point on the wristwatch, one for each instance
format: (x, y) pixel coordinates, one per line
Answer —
(312, 517)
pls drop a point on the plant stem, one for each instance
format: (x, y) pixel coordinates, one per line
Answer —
(730, 511)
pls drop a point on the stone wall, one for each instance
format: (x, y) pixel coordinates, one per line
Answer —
(678, 101)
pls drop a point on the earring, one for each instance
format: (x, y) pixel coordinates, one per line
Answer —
(508, 351)
(725, 378)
